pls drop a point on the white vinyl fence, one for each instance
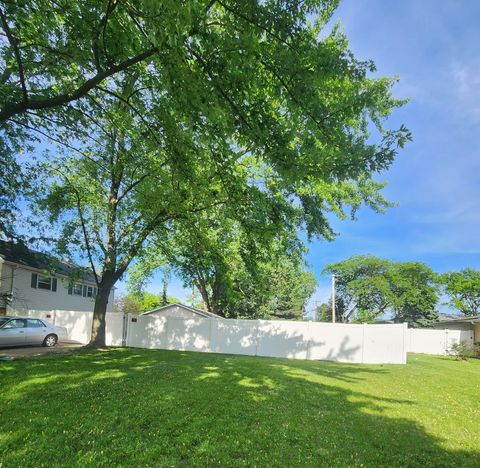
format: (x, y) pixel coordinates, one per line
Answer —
(79, 324)
(298, 340)
(373, 344)
(429, 341)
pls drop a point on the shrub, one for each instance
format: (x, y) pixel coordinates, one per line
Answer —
(464, 350)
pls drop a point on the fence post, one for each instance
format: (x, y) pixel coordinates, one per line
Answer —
(309, 340)
(124, 329)
(213, 335)
(364, 326)
(446, 342)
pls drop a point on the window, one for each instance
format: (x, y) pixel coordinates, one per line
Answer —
(79, 289)
(90, 291)
(35, 323)
(15, 323)
(44, 282)
(3, 321)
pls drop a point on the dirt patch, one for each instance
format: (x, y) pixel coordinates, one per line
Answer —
(33, 351)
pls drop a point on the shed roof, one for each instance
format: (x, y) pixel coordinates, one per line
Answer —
(472, 319)
(200, 312)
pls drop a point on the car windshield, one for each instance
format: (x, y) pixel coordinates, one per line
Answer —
(3, 321)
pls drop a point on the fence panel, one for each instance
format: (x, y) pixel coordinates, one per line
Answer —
(427, 341)
(189, 334)
(78, 324)
(384, 343)
(438, 342)
(297, 340)
(114, 329)
(336, 342)
(235, 336)
(283, 339)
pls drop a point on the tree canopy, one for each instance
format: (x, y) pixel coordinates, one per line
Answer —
(136, 303)
(244, 267)
(463, 289)
(368, 287)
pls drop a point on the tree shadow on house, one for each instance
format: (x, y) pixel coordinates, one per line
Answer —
(155, 408)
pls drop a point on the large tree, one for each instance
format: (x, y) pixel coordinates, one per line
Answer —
(369, 287)
(362, 287)
(258, 90)
(241, 269)
(463, 289)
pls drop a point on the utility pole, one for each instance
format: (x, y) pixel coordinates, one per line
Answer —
(333, 298)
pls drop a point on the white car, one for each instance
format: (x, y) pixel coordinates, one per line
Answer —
(26, 331)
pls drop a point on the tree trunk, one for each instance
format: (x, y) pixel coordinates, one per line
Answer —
(204, 293)
(97, 339)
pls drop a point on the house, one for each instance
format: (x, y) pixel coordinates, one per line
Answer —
(180, 311)
(461, 323)
(31, 280)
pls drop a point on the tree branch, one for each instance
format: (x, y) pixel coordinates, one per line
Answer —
(82, 222)
(56, 140)
(14, 43)
(13, 109)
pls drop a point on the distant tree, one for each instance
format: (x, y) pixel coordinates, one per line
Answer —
(127, 304)
(368, 287)
(414, 293)
(141, 302)
(240, 269)
(165, 279)
(194, 299)
(151, 301)
(463, 288)
(361, 287)
(323, 313)
(281, 290)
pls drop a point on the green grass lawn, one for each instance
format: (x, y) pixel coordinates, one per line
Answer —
(129, 407)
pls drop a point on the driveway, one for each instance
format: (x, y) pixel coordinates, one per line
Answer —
(32, 351)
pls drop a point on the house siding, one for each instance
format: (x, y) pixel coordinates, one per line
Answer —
(453, 326)
(476, 332)
(28, 298)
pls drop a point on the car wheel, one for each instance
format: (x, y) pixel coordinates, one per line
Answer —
(50, 341)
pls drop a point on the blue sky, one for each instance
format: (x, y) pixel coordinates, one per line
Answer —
(432, 46)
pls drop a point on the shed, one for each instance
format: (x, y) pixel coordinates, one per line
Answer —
(180, 311)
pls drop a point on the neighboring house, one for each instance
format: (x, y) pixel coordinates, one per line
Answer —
(180, 311)
(31, 280)
(461, 323)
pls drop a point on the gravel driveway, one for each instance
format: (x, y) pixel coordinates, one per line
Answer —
(32, 351)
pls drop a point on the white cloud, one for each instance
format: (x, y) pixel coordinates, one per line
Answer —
(466, 77)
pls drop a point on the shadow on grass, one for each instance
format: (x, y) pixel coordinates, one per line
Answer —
(154, 407)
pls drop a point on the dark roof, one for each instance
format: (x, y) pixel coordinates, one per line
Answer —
(19, 253)
(461, 319)
(203, 313)
(442, 317)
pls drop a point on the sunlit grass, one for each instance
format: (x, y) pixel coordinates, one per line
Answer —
(129, 407)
